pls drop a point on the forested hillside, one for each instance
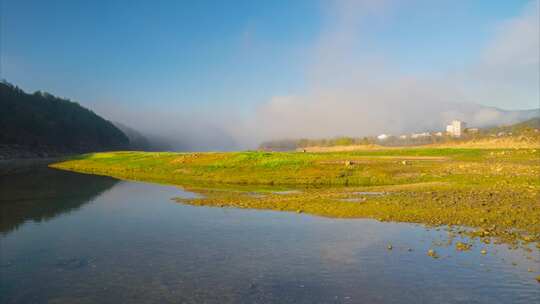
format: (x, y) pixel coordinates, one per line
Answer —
(41, 124)
(528, 127)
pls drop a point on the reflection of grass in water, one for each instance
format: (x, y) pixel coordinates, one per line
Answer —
(494, 190)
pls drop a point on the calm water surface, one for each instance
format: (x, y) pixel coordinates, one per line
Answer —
(71, 238)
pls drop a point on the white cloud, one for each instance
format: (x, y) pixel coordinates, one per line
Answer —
(517, 40)
(356, 94)
(508, 74)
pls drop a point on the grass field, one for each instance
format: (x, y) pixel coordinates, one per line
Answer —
(495, 191)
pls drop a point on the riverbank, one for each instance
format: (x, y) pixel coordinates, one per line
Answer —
(496, 191)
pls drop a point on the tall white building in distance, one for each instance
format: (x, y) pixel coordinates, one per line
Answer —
(456, 128)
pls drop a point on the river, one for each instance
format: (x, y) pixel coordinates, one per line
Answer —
(72, 238)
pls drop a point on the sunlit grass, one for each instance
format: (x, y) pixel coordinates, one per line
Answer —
(496, 190)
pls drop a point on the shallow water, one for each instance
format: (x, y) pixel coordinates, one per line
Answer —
(70, 238)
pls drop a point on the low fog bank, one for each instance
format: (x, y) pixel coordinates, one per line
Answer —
(172, 129)
(197, 134)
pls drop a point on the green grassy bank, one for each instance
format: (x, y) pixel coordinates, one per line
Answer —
(494, 190)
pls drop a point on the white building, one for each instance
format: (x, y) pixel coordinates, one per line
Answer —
(456, 129)
(420, 135)
(382, 137)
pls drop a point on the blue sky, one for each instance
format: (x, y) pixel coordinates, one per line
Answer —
(195, 55)
(166, 51)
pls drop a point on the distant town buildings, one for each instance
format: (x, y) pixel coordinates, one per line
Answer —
(456, 128)
(420, 135)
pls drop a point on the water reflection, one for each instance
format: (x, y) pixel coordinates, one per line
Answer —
(39, 194)
(132, 244)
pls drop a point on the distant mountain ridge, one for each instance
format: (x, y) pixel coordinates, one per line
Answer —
(524, 133)
(143, 142)
(435, 116)
(41, 125)
(137, 141)
(484, 116)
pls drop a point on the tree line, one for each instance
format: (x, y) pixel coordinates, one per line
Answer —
(43, 121)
